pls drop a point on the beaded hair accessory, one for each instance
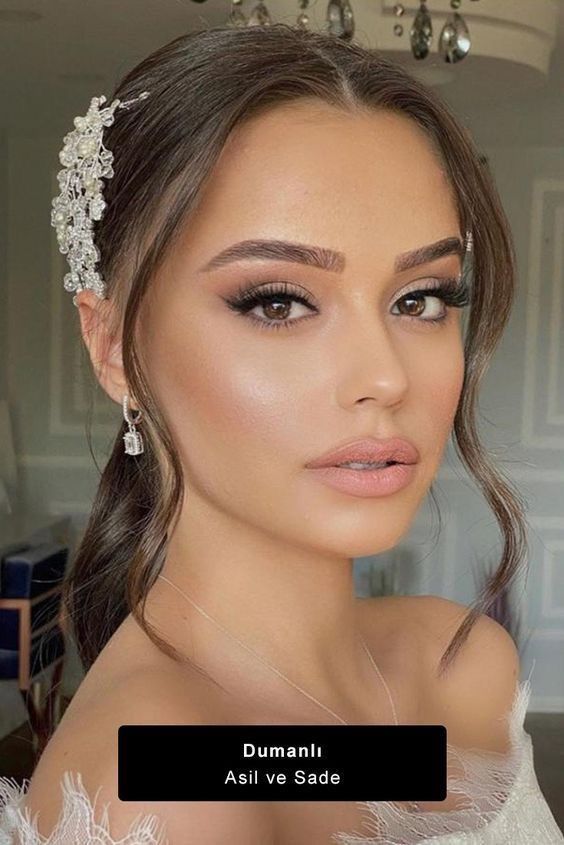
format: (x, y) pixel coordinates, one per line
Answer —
(85, 162)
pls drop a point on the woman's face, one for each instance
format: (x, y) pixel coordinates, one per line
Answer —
(251, 398)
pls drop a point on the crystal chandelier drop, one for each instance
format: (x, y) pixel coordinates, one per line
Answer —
(454, 39)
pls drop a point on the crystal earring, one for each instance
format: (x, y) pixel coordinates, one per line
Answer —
(132, 438)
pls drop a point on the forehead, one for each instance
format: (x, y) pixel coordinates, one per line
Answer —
(308, 171)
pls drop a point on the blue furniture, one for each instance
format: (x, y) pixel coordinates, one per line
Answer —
(33, 629)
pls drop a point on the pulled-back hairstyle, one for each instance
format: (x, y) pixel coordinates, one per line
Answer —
(202, 85)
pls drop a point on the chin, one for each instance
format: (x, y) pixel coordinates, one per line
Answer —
(365, 543)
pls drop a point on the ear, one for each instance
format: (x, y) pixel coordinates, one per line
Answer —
(98, 325)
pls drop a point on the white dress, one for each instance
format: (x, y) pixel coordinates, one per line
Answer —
(498, 802)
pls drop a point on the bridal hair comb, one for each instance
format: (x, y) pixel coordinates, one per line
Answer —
(85, 162)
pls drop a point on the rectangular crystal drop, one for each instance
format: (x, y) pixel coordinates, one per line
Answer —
(133, 443)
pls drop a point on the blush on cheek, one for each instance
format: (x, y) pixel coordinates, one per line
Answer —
(445, 397)
(442, 410)
(226, 411)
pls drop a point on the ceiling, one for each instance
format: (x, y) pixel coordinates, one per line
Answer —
(56, 54)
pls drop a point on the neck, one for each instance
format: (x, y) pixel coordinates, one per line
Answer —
(293, 606)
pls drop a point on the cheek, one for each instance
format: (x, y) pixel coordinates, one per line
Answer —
(443, 386)
(436, 391)
(225, 400)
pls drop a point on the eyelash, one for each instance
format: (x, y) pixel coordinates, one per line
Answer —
(452, 291)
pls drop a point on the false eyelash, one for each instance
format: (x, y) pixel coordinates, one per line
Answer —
(454, 292)
(246, 298)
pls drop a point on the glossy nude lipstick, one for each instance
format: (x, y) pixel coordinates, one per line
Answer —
(374, 467)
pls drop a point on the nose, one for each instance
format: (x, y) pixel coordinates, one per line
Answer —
(370, 366)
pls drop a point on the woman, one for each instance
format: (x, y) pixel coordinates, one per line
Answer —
(293, 228)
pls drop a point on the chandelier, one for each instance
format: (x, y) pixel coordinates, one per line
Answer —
(454, 39)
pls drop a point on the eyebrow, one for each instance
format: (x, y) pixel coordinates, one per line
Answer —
(322, 257)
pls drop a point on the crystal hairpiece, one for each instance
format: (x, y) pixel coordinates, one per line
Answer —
(86, 160)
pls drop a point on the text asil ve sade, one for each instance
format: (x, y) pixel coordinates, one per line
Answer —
(280, 752)
(282, 762)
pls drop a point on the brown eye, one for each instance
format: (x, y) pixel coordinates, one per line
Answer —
(414, 306)
(276, 309)
(419, 304)
(276, 301)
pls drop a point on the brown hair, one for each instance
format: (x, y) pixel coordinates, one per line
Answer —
(201, 86)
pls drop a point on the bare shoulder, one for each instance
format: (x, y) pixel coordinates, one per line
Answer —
(87, 744)
(475, 695)
(489, 644)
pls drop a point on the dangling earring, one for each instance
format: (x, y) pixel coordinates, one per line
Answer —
(132, 438)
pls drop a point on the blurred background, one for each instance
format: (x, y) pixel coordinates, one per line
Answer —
(500, 64)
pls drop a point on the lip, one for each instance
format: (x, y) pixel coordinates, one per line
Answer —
(366, 482)
(368, 449)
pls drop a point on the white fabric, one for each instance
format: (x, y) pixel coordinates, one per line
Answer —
(77, 823)
(498, 802)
